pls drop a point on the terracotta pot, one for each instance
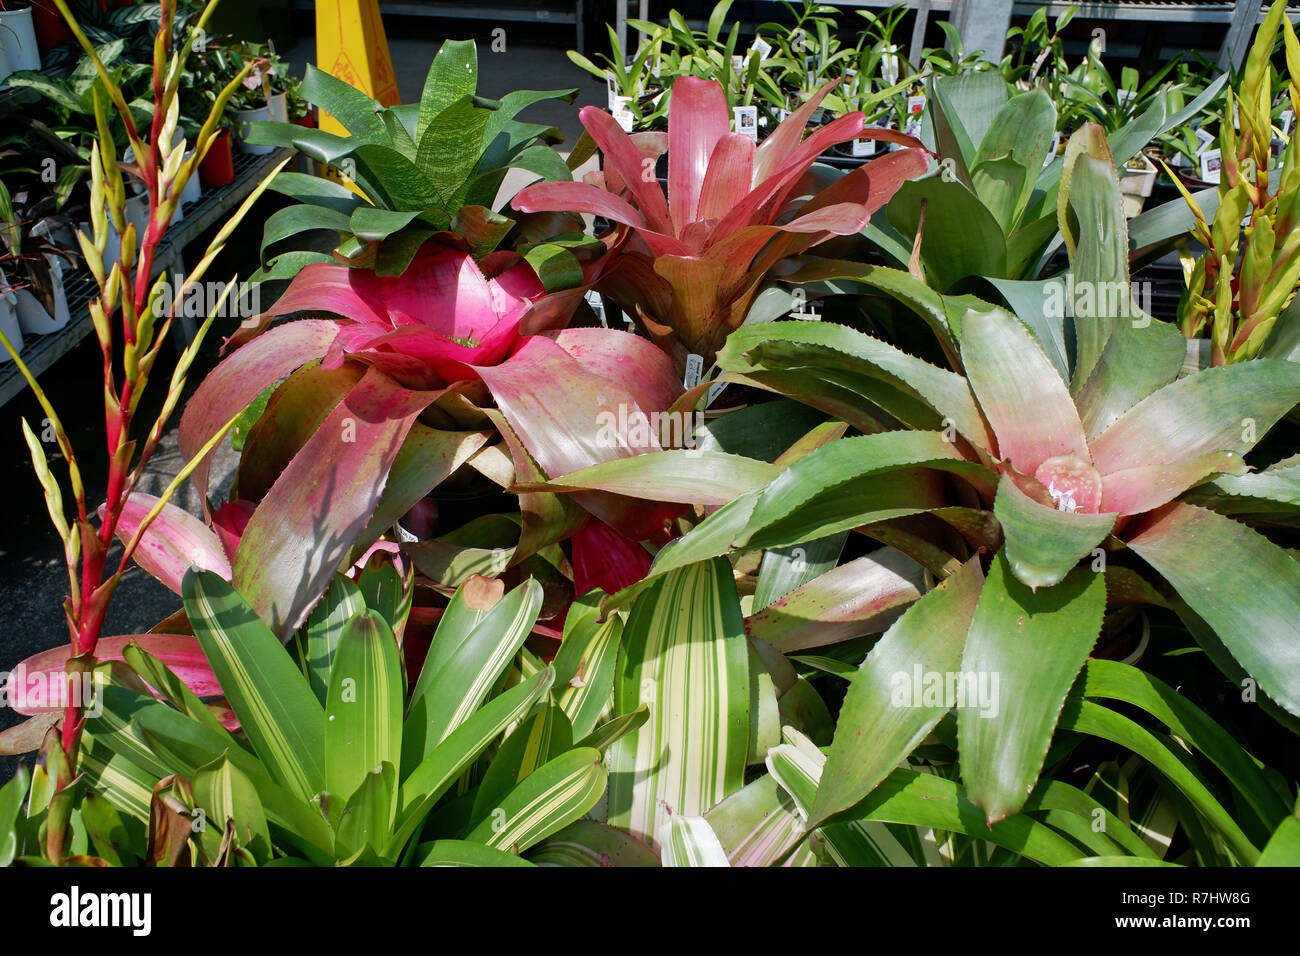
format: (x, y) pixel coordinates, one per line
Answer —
(218, 166)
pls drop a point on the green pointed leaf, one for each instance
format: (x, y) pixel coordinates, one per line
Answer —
(585, 662)
(690, 841)
(224, 792)
(276, 708)
(1249, 593)
(881, 723)
(1032, 644)
(685, 652)
(324, 626)
(368, 815)
(453, 74)
(464, 853)
(363, 707)
(1283, 847)
(1042, 543)
(547, 801)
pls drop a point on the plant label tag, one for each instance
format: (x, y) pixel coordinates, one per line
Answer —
(597, 306)
(1287, 119)
(864, 147)
(1125, 97)
(889, 65)
(611, 85)
(1204, 140)
(1051, 153)
(745, 120)
(738, 64)
(694, 369)
(782, 115)
(1211, 163)
(761, 47)
(715, 390)
(915, 111)
(623, 112)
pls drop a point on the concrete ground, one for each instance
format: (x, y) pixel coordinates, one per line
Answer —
(32, 580)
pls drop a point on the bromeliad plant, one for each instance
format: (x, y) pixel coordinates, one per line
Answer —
(413, 171)
(1102, 483)
(690, 264)
(1245, 279)
(131, 334)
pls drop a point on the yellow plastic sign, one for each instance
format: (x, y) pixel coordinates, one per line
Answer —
(351, 45)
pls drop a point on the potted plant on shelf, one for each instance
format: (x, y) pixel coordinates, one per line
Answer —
(263, 93)
(42, 304)
(9, 324)
(18, 50)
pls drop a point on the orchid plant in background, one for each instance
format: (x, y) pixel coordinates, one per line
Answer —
(691, 263)
(129, 332)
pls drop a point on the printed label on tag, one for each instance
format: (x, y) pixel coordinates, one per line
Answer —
(715, 390)
(1204, 140)
(762, 47)
(737, 64)
(744, 119)
(1287, 121)
(694, 369)
(864, 147)
(611, 85)
(622, 111)
(1211, 162)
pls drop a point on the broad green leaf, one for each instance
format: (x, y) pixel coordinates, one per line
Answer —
(1136, 361)
(1283, 847)
(542, 737)
(11, 806)
(860, 597)
(604, 736)
(453, 74)
(467, 661)
(1042, 543)
(464, 853)
(758, 825)
(224, 792)
(685, 655)
(110, 833)
(548, 800)
(347, 104)
(690, 841)
(1090, 718)
(161, 678)
(1249, 593)
(888, 710)
(692, 476)
(276, 708)
(324, 627)
(368, 817)
(1220, 409)
(785, 569)
(439, 770)
(362, 723)
(1028, 646)
(585, 662)
(960, 237)
(450, 146)
(295, 220)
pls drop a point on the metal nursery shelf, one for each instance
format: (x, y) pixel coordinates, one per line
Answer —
(40, 352)
(548, 11)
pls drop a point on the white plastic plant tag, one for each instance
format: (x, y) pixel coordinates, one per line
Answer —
(1211, 163)
(694, 369)
(1287, 120)
(1051, 153)
(745, 120)
(715, 390)
(889, 65)
(611, 85)
(738, 64)
(864, 147)
(598, 306)
(762, 47)
(623, 112)
(915, 110)
(1204, 140)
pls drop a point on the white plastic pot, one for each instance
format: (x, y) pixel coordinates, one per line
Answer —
(5, 68)
(18, 41)
(9, 320)
(192, 192)
(32, 316)
(1135, 185)
(243, 119)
